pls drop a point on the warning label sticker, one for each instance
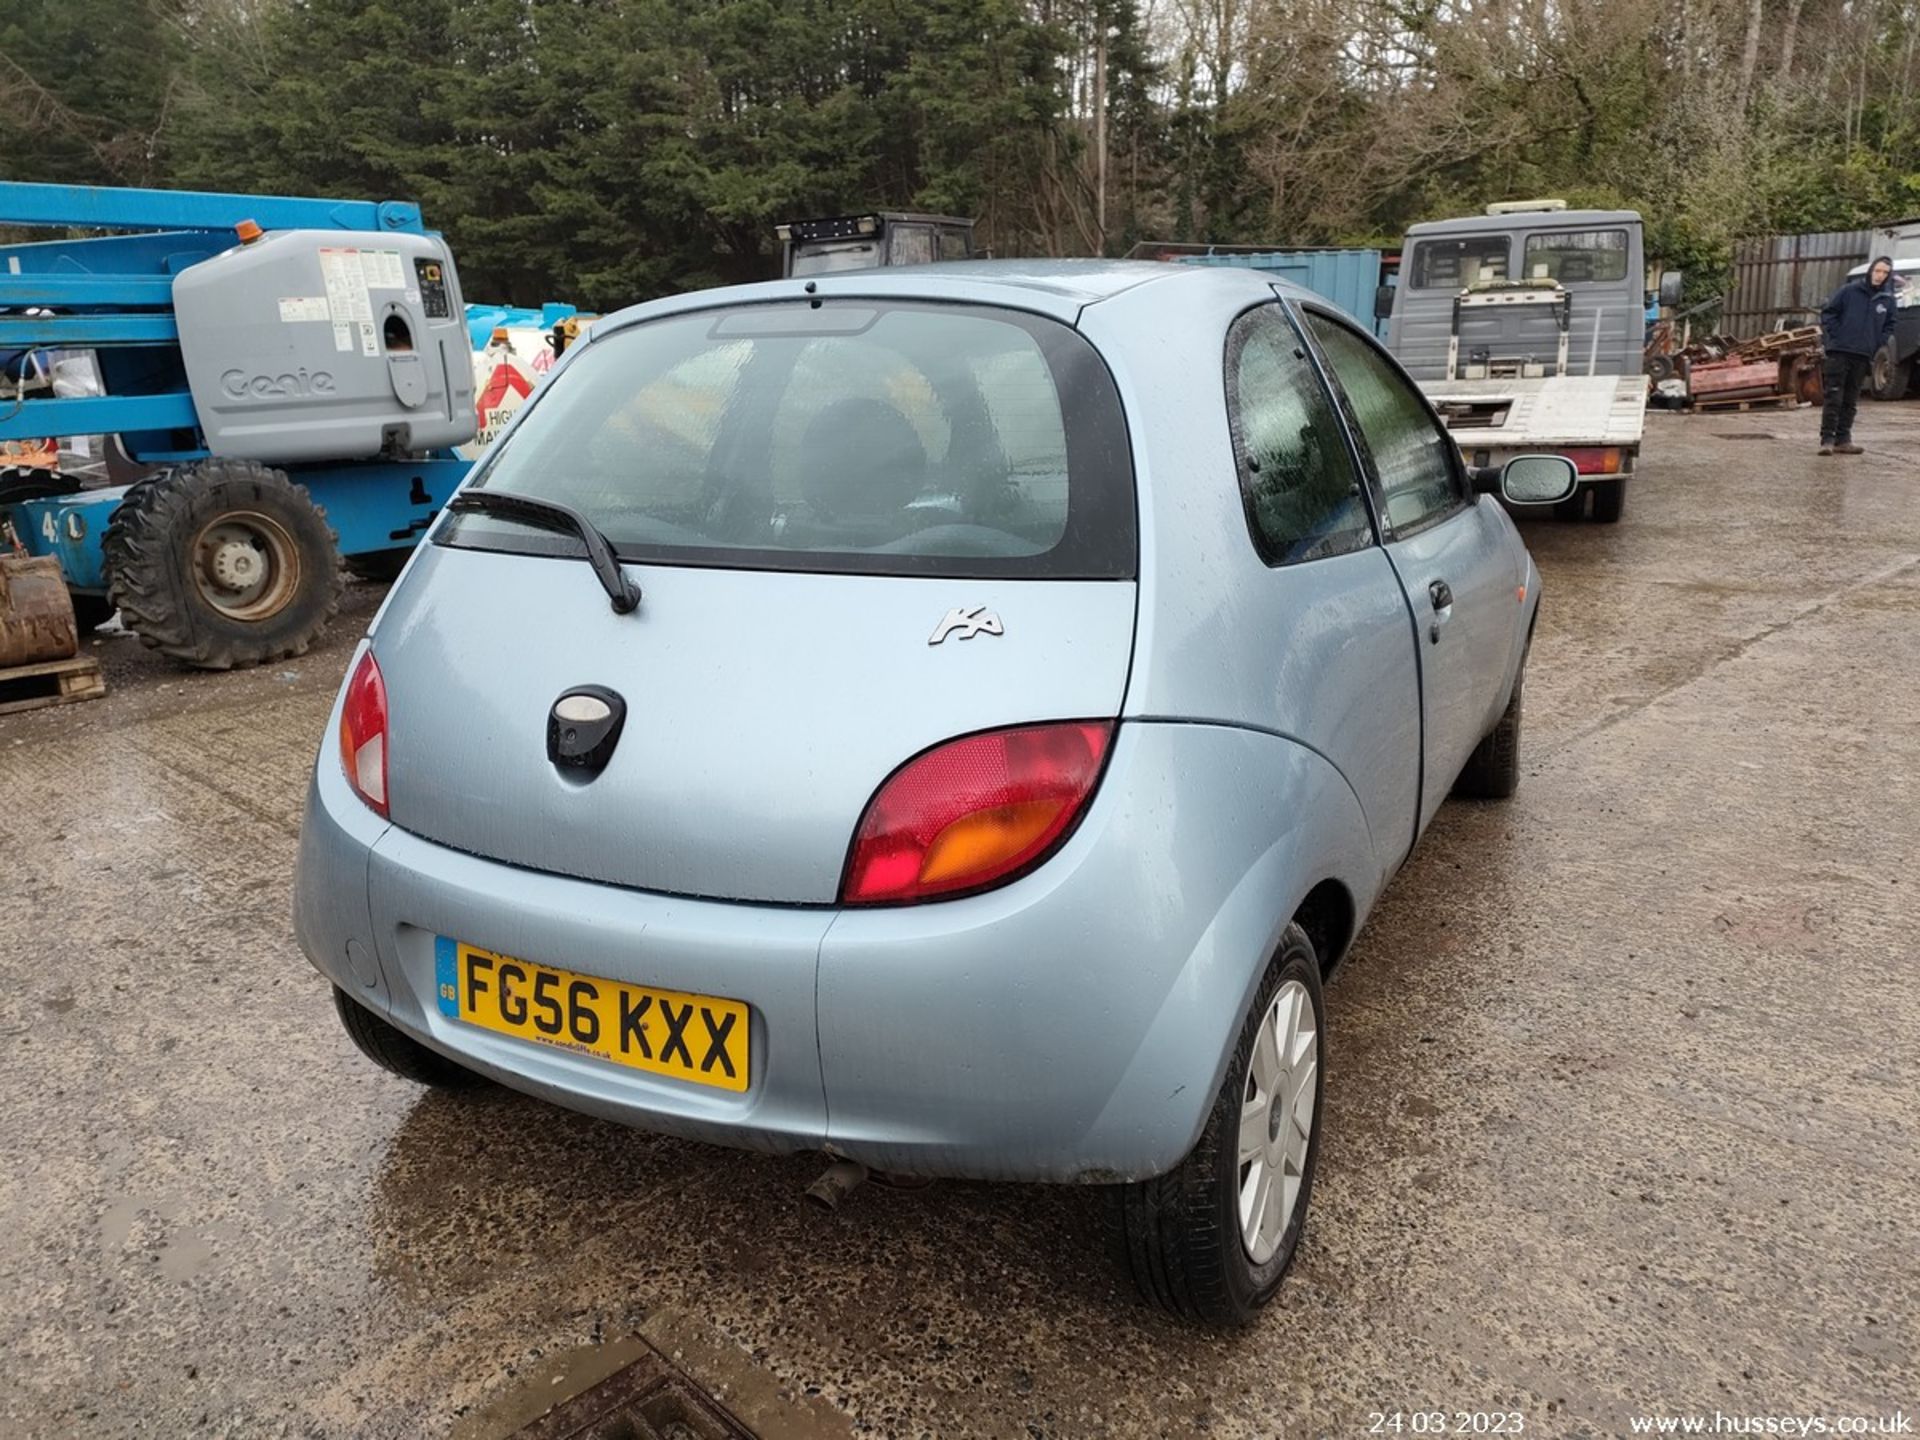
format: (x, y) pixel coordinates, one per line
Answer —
(348, 304)
(383, 269)
(296, 308)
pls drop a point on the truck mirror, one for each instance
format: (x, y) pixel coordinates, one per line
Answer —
(1383, 302)
(1672, 282)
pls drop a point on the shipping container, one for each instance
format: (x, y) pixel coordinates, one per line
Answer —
(1349, 278)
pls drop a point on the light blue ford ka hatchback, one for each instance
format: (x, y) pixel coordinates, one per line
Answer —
(951, 719)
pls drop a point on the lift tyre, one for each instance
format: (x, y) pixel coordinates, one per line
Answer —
(223, 564)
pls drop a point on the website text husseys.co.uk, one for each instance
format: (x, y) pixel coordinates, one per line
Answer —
(1720, 1422)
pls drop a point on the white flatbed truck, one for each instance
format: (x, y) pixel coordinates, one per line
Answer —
(1596, 421)
(1524, 328)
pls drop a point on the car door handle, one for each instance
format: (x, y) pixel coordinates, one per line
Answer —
(1441, 594)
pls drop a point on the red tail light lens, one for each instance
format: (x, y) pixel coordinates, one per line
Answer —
(1594, 461)
(975, 812)
(363, 734)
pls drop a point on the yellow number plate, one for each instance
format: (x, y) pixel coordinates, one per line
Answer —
(690, 1037)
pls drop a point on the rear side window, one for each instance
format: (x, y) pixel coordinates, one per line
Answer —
(1296, 475)
(1414, 459)
(863, 437)
(1455, 262)
(910, 245)
(1576, 256)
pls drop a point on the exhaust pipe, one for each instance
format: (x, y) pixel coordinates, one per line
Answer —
(841, 1179)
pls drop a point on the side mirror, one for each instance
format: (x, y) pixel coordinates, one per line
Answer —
(1672, 283)
(1383, 302)
(1529, 480)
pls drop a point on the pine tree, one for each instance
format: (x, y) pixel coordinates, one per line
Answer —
(89, 86)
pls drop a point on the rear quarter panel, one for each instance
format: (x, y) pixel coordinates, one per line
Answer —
(1323, 651)
(1075, 1025)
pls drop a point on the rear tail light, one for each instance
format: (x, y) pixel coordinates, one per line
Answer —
(974, 813)
(363, 734)
(1595, 461)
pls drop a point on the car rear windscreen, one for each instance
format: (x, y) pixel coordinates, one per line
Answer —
(864, 437)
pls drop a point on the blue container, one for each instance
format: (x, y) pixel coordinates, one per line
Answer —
(1346, 277)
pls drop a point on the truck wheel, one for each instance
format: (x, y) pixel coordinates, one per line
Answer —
(1609, 499)
(1492, 771)
(393, 1049)
(1212, 1238)
(1890, 377)
(226, 563)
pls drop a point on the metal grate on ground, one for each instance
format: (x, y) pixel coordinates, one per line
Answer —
(651, 1399)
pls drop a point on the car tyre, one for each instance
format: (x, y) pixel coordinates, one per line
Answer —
(1180, 1235)
(1609, 499)
(393, 1049)
(1493, 769)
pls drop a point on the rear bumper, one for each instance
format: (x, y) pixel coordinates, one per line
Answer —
(1495, 456)
(370, 899)
(1070, 1026)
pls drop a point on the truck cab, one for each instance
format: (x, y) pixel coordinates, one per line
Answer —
(1576, 279)
(879, 237)
(1524, 327)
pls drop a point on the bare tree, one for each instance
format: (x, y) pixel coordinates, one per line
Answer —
(1749, 55)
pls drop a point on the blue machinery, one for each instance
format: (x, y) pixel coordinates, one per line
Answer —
(112, 294)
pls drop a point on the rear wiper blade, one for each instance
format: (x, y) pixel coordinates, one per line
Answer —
(548, 515)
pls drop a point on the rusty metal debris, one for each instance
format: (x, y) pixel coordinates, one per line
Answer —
(1720, 372)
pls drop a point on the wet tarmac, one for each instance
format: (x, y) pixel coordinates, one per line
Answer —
(1622, 1115)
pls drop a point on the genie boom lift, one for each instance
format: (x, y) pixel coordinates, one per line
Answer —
(282, 379)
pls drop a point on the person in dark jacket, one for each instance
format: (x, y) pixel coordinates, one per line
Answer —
(1854, 324)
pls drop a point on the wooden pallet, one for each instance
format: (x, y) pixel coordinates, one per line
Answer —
(1805, 336)
(1764, 402)
(53, 682)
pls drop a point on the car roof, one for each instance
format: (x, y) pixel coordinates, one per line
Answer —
(1058, 288)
